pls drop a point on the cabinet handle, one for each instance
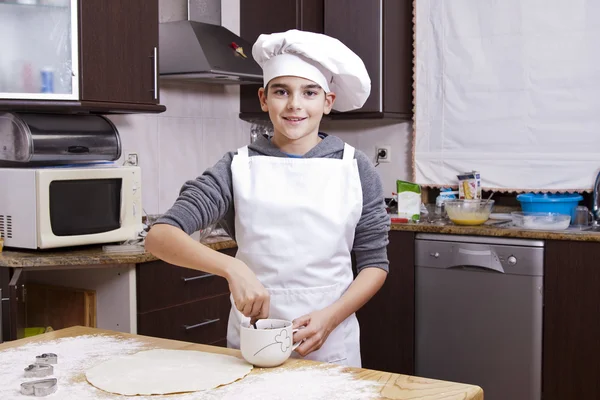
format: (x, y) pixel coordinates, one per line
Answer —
(1, 326)
(207, 322)
(155, 57)
(194, 278)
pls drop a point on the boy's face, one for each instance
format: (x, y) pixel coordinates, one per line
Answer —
(295, 106)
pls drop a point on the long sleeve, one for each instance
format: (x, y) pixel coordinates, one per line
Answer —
(371, 236)
(204, 201)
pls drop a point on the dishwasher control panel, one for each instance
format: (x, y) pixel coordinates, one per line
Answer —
(498, 257)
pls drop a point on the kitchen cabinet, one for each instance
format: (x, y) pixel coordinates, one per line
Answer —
(4, 304)
(269, 16)
(387, 321)
(380, 32)
(101, 56)
(36, 296)
(182, 304)
(17, 306)
(571, 335)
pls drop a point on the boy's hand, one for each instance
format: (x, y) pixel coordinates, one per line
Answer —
(317, 327)
(249, 295)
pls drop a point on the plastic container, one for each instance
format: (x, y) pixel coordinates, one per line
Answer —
(559, 203)
(469, 212)
(541, 221)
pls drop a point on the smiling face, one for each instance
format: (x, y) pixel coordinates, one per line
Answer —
(295, 106)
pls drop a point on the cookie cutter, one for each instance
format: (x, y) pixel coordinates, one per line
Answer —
(40, 388)
(47, 358)
(38, 370)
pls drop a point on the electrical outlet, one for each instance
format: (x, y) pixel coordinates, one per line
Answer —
(131, 158)
(383, 154)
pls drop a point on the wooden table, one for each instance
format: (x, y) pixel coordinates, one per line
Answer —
(395, 386)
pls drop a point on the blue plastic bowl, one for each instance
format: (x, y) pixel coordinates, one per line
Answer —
(561, 203)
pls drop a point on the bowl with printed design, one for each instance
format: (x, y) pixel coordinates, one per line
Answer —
(269, 344)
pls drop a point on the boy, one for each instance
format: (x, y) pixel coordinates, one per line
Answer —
(301, 202)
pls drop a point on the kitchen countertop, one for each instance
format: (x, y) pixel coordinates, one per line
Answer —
(85, 256)
(498, 231)
(395, 386)
(93, 255)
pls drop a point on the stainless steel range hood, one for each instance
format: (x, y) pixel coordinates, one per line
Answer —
(194, 45)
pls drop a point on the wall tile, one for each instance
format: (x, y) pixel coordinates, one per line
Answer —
(182, 99)
(221, 136)
(230, 15)
(180, 147)
(222, 101)
(139, 133)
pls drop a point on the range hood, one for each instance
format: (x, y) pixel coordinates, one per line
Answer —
(193, 49)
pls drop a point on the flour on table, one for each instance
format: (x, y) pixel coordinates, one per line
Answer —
(77, 355)
(163, 371)
(321, 382)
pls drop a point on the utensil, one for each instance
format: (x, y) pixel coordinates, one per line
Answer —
(38, 370)
(488, 199)
(40, 388)
(47, 358)
(498, 222)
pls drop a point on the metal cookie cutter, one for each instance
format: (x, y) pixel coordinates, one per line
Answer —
(47, 358)
(40, 388)
(38, 370)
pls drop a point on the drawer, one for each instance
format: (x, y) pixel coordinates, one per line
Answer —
(161, 285)
(203, 321)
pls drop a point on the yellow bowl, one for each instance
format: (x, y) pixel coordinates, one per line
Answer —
(469, 212)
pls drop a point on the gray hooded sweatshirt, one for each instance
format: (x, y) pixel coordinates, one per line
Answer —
(209, 199)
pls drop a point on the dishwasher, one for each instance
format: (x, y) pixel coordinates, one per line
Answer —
(478, 320)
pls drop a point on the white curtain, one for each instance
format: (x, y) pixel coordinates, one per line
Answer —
(510, 88)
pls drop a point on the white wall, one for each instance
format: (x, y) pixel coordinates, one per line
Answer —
(201, 124)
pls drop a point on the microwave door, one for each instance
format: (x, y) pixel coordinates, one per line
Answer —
(85, 206)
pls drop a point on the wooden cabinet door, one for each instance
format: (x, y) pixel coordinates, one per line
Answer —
(270, 16)
(117, 47)
(381, 33)
(357, 24)
(571, 335)
(387, 321)
(182, 304)
(4, 304)
(17, 316)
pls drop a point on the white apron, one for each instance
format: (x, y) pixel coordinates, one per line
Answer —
(294, 225)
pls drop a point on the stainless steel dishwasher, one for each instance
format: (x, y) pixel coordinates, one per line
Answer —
(479, 313)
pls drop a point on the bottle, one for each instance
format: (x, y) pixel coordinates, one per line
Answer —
(445, 194)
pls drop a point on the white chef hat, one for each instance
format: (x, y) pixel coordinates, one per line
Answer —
(320, 58)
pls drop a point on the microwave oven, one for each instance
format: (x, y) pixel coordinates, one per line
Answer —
(50, 207)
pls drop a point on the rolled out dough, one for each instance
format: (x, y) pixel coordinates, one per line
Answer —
(166, 371)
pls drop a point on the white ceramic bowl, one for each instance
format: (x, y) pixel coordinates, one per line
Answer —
(269, 345)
